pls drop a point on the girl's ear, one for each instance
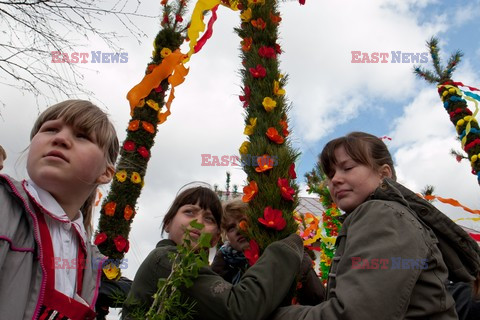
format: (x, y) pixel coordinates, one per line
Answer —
(107, 176)
(385, 171)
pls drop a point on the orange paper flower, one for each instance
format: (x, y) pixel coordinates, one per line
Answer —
(148, 127)
(258, 23)
(250, 191)
(110, 208)
(133, 125)
(273, 135)
(243, 225)
(275, 19)
(128, 212)
(246, 44)
(265, 163)
(284, 125)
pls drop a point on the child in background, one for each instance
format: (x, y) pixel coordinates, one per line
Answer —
(261, 289)
(395, 250)
(231, 264)
(46, 258)
(3, 156)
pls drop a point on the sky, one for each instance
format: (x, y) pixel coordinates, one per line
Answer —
(329, 96)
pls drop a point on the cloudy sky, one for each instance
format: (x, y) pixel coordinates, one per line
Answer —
(330, 96)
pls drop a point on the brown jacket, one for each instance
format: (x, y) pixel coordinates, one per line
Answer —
(389, 264)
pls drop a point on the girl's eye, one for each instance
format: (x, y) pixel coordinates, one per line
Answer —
(210, 219)
(49, 129)
(188, 212)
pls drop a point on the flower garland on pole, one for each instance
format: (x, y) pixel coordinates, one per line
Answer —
(327, 233)
(454, 102)
(147, 99)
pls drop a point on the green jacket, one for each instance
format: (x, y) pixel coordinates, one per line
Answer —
(389, 263)
(260, 291)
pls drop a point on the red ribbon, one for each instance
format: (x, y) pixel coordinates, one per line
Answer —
(209, 31)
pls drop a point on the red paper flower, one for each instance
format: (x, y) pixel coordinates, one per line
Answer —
(143, 152)
(121, 244)
(302, 2)
(291, 171)
(273, 218)
(129, 145)
(273, 135)
(250, 191)
(246, 97)
(178, 18)
(267, 52)
(128, 212)
(286, 191)
(258, 72)
(110, 208)
(278, 49)
(100, 238)
(252, 253)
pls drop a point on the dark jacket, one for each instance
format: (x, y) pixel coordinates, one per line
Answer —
(260, 291)
(389, 263)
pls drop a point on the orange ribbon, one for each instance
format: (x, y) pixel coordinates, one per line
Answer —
(451, 202)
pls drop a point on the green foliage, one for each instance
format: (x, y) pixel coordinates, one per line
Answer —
(168, 302)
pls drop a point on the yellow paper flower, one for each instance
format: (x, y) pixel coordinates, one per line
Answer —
(152, 104)
(249, 128)
(121, 175)
(111, 271)
(269, 104)
(244, 147)
(136, 177)
(254, 2)
(276, 89)
(165, 52)
(246, 15)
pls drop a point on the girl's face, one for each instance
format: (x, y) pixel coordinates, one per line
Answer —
(64, 160)
(235, 237)
(351, 182)
(181, 223)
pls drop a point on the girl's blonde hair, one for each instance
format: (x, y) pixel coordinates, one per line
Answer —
(89, 118)
(233, 209)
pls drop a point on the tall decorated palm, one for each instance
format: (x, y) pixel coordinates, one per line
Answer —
(147, 100)
(267, 154)
(454, 102)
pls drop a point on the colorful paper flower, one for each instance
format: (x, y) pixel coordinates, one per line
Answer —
(254, 2)
(153, 104)
(100, 238)
(273, 218)
(291, 171)
(121, 244)
(246, 44)
(128, 212)
(302, 2)
(265, 163)
(269, 104)
(246, 96)
(129, 145)
(243, 225)
(284, 125)
(143, 152)
(286, 191)
(133, 125)
(252, 253)
(258, 72)
(275, 19)
(250, 191)
(273, 135)
(277, 90)
(249, 128)
(246, 15)
(165, 53)
(278, 48)
(136, 178)
(111, 271)
(121, 175)
(148, 127)
(244, 147)
(259, 24)
(267, 52)
(110, 208)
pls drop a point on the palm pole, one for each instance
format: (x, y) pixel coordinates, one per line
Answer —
(454, 102)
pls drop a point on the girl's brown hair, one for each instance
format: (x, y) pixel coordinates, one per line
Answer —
(206, 198)
(362, 147)
(89, 118)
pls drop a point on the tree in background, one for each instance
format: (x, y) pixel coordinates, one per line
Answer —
(454, 102)
(32, 30)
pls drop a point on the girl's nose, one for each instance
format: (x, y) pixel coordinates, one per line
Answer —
(63, 138)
